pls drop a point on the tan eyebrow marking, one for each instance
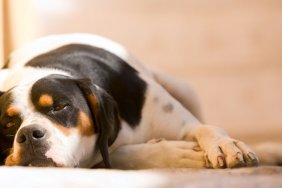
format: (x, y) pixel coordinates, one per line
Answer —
(45, 100)
(12, 111)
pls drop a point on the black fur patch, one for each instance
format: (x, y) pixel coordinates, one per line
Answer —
(104, 69)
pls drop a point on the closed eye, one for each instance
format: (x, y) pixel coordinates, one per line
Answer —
(60, 107)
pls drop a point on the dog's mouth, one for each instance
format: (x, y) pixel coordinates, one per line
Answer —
(41, 163)
(32, 161)
(31, 156)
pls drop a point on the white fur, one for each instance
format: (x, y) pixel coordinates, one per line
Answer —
(26, 76)
(42, 45)
(45, 44)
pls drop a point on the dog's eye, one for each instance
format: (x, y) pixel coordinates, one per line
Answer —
(60, 107)
(9, 125)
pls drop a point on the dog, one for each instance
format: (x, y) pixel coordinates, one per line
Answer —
(81, 100)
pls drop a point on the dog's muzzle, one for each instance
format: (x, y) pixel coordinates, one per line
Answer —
(31, 135)
(32, 141)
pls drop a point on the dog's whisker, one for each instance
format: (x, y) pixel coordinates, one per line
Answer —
(10, 135)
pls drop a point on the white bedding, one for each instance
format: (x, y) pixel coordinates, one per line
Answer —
(54, 177)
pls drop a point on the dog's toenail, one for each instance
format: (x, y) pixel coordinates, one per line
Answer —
(239, 157)
(220, 161)
(252, 156)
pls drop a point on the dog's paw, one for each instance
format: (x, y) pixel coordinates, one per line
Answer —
(230, 153)
(176, 154)
(222, 151)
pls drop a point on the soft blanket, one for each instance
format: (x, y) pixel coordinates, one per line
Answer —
(158, 178)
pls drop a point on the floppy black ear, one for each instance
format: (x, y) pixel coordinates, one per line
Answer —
(3, 148)
(105, 115)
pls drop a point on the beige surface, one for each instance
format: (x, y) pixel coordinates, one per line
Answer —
(49, 177)
(229, 51)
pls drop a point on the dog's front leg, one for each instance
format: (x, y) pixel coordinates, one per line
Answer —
(158, 153)
(221, 150)
(172, 121)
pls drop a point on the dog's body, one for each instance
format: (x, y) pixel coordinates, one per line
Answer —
(75, 100)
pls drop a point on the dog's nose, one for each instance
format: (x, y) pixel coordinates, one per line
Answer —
(31, 133)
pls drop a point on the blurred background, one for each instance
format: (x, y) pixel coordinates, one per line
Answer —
(229, 51)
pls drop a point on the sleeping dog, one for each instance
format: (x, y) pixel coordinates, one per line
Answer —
(80, 100)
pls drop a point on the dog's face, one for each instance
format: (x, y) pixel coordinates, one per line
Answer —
(56, 121)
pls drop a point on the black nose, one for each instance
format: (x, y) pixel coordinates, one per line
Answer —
(31, 133)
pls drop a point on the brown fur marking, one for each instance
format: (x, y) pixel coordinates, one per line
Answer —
(12, 160)
(12, 111)
(45, 100)
(168, 108)
(84, 125)
(93, 101)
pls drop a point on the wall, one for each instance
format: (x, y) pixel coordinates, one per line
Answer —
(16, 25)
(1, 32)
(229, 51)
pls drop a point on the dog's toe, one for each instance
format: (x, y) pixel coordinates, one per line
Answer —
(231, 154)
(250, 157)
(223, 151)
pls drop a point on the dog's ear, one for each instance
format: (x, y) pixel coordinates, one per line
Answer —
(105, 114)
(1, 93)
(4, 149)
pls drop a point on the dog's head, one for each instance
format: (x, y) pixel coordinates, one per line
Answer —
(57, 121)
